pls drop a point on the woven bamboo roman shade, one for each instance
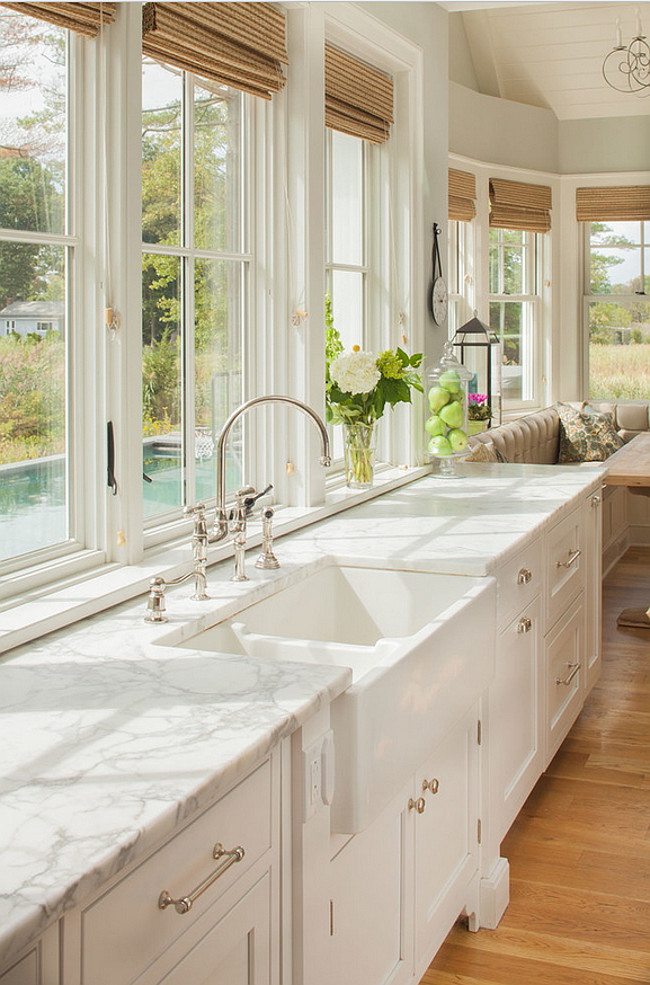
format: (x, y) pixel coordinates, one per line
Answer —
(83, 18)
(358, 97)
(462, 195)
(242, 45)
(611, 204)
(519, 205)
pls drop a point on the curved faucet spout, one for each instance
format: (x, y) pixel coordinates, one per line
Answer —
(221, 521)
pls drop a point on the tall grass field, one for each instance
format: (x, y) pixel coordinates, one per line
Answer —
(619, 372)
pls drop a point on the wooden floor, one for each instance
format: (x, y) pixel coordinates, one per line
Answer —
(579, 850)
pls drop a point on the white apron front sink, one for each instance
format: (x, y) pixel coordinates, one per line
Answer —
(421, 649)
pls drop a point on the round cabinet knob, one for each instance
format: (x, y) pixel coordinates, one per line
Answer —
(524, 576)
(431, 785)
(595, 501)
(419, 804)
(524, 625)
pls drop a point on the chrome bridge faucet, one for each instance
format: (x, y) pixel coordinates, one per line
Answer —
(221, 526)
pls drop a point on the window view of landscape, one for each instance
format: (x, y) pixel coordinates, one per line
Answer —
(194, 283)
(33, 137)
(618, 314)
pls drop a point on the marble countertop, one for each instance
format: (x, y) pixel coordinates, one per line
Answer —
(109, 740)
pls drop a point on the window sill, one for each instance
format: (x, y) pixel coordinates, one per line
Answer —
(80, 596)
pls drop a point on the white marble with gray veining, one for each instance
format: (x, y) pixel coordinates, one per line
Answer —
(108, 740)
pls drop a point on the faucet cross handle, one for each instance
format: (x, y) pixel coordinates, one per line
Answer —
(250, 500)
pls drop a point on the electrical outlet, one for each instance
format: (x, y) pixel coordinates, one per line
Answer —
(318, 778)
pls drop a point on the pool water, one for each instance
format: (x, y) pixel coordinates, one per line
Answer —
(33, 498)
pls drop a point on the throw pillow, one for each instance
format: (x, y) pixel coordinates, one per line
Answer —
(483, 451)
(586, 437)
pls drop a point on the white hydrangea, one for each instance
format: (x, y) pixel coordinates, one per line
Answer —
(356, 372)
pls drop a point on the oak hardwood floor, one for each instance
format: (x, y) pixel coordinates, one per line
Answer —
(579, 850)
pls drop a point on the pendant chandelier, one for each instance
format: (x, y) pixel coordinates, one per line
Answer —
(627, 68)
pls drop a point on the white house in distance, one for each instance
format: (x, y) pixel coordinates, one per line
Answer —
(32, 318)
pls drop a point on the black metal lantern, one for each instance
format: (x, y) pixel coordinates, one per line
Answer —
(480, 353)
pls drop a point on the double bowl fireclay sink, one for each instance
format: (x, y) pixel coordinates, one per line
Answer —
(421, 649)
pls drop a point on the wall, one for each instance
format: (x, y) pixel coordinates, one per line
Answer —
(426, 25)
(498, 131)
(461, 66)
(612, 144)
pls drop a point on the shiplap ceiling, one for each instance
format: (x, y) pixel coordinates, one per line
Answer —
(551, 54)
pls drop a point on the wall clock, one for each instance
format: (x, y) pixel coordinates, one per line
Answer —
(438, 290)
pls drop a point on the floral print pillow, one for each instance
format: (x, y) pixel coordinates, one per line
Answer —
(586, 437)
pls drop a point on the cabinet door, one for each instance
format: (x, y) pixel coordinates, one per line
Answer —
(368, 922)
(593, 524)
(446, 837)
(236, 951)
(565, 668)
(565, 565)
(516, 740)
(40, 966)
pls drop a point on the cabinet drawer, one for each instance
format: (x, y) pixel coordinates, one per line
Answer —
(565, 565)
(565, 670)
(129, 912)
(519, 581)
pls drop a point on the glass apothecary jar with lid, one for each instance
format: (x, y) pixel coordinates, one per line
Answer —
(446, 388)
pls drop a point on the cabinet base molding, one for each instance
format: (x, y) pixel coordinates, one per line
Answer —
(494, 894)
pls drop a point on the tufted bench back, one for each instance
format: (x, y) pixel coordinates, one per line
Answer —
(536, 438)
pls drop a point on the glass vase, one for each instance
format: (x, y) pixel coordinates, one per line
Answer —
(360, 441)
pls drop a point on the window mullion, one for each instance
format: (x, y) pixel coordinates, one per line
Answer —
(188, 303)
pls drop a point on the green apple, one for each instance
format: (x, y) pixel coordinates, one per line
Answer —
(452, 414)
(438, 397)
(435, 426)
(439, 446)
(449, 380)
(457, 439)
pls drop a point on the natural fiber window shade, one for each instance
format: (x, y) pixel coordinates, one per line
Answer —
(611, 204)
(358, 97)
(519, 205)
(462, 196)
(83, 18)
(242, 45)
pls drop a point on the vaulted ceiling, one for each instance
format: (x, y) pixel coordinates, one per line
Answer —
(551, 54)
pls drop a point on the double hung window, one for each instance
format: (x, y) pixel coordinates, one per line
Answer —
(38, 250)
(617, 309)
(196, 281)
(514, 278)
(461, 279)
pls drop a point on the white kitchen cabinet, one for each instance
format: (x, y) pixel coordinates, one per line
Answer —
(593, 593)
(517, 732)
(398, 886)
(565, 563)
(565, 669)
(39, 966)
(123, 936)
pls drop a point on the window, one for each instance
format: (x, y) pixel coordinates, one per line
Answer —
(514, 277)
(196, 276)
(461, 278)
(616, 311)
(37, 260)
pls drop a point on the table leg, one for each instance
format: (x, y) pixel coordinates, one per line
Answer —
(634, 619)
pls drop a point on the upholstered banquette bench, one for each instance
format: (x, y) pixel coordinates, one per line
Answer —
(536, 438)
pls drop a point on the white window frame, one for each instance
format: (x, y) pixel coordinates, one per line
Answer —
(531, 300)
(460, 265)
(84, 455)
(157, 528)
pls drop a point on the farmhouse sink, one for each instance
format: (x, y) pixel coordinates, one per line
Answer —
(421, 649)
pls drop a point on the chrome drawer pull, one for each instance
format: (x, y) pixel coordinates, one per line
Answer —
(184, 904)
(524, 576)
(419, 804)
(524, 625)
(573, 670)
(432, 785)
(569, 561)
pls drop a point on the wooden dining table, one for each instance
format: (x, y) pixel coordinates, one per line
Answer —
(630, 466)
